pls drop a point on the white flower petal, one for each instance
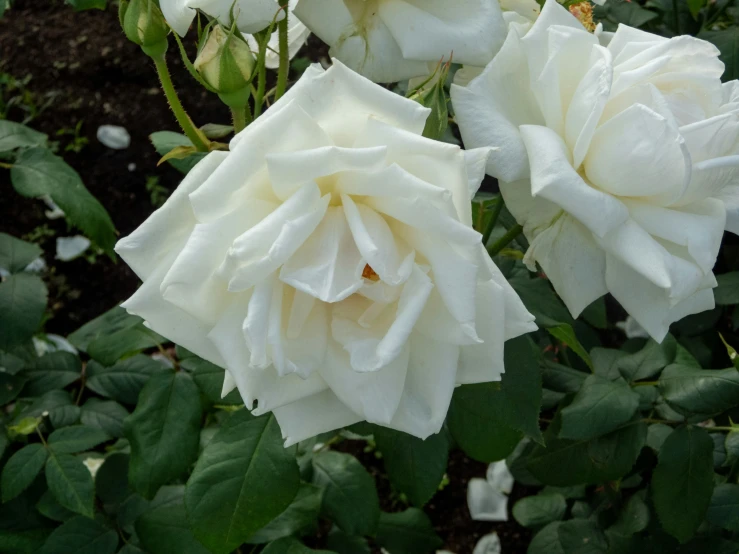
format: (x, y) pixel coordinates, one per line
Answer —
(373, 395)
(143, 249)
(573, 262)
(650, 305)
(655, 162)
(373, 347)
(389, 258)
(312, 416)
(492, 107)
(554, 178)
(429, 385)
(328, 266)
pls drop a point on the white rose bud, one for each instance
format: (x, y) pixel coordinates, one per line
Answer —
(621, 161)
(226, 63)
(144, 24)
(394, 40)
(329, 264)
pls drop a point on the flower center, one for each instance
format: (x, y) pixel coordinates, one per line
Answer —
(369, 273)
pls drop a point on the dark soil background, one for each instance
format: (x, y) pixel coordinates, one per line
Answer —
(86, 70)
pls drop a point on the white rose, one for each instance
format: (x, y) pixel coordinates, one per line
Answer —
(297, 36)
(392, 40)
(329, 264)
(251, 15)
(614, 159)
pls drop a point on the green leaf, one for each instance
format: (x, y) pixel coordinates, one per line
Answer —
(57, 403)
(727, 41)
(633, 517)
(695, 6)
(290, 545)
(164, 527)
(565, 462)
(22, 305)
(81, 536)
(408, 532)
(301, 515)
(112, 321)
(54, 370)
(605, 362)
(111, 480)
(731, 352)
(15, 135)
(566, 334)
(163, 431)
(727, 292)
(561, 378)
(437, 100)
(694, 391)
(724, 507)
(649, 361)
(21, 469)
(487, 419)
(209, 379)
(80, 5)
(27, 541)
(536, 511)
(123, 381)
(546, 541)
(166, 141)
(580, 536)
(16, 254)
(628, 13)
(37, 172)
(50, 508)
(731, 445)
(541, 300)
(682, 482)
(71, 483)
(598, 408)
(656, 435)
(76, 438)
(350, 498)
(108, 416)
(10, 387)
(341, 543)
(414, 466)
(477, 419)
(110, 348)
(244, 479)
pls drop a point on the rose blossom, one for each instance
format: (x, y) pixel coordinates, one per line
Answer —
(392, 40)
(329, 264)
(251, 15)
(620, 161)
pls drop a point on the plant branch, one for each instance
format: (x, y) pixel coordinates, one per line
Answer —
(505, 240)
(239, 119)
(200, 143)
(284, 52)
(261, 75)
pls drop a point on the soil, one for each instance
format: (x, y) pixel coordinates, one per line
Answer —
(84, 68)
(447, 509)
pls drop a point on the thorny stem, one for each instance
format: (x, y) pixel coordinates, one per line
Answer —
(6, 166)
(284, 54)
(174, 103)
(43, 441)
(239, 119)
(261, 76)
(505, 240)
